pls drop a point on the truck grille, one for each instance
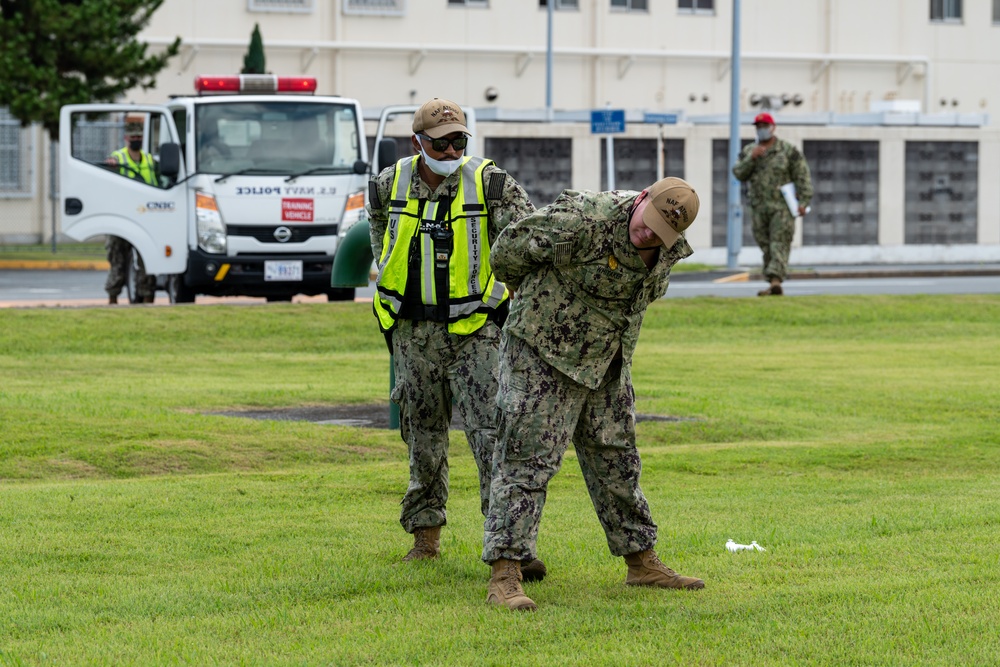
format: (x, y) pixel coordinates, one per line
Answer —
(300, 233)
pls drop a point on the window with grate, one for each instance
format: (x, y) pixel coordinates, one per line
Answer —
(630, 5)
(300, 6)
(947, 11)
(13, 156)
(696, 6)
(996, 11)
(376, 7)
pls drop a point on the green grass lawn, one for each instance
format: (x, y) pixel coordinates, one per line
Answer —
(44, 252)
(855, 438)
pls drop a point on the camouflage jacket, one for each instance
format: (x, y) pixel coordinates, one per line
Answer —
(512, 204)
(782, 163)
(581, 287)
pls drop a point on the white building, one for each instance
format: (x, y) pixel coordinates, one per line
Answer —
(891, 100)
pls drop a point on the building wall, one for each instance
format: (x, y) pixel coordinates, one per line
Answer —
(834, 56)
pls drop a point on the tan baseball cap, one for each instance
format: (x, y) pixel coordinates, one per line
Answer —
(673, 206)
(439, 117)
(133, 127)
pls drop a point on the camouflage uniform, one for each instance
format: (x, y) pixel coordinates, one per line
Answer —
(434, 367)
(565, 358)
(773, 223)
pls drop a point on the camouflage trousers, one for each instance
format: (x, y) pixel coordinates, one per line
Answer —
(541, 412)
(119, 255)
(773, 228)
(434, 369)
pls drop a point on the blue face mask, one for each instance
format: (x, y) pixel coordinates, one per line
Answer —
(439, 167)
(764, 133)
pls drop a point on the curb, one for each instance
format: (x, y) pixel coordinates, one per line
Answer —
(54, 264)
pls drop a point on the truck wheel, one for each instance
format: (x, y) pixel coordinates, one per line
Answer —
(340, 294)
(132, 272)
(177, 290)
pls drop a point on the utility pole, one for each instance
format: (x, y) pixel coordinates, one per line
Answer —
(734, 226)
(550, 7)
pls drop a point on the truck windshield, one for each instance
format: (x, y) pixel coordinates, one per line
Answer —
(283, 137)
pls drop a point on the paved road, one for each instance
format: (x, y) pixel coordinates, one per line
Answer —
(25, 288)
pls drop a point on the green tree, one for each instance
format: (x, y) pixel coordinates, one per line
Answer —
(56, 52)
(253, 61)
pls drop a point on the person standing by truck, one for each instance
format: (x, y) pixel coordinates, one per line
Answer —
(434, 217)
(132, 162)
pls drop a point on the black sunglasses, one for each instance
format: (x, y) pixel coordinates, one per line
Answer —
(441, 145)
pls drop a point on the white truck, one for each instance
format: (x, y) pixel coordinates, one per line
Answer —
(258, 181)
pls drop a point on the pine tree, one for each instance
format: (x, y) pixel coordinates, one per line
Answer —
(253, 61)
(56, 52)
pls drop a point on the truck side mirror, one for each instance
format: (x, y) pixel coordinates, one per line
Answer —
(170, 160)
(360, 167)
(387, 153)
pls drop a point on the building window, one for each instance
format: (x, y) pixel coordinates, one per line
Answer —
(376, 7)
(696, 6)
(949, 11)
(469, 3)
(630, 5)
(572, 4)
(300, 6)
(996, 11)
(13, 156)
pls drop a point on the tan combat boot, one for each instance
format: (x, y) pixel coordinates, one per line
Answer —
(426, 544)
(505, 587)
(645, 569)
(773, 290)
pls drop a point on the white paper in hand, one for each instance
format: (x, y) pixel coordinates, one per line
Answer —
(788, 190)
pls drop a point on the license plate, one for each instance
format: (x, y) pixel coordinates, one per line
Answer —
(287, 271)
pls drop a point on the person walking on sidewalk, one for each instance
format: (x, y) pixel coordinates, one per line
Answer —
(434, 217)
(582, 270)
(132, 162)
(768, 164)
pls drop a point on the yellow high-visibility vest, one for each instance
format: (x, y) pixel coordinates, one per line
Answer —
(144, 170)
(473, 292)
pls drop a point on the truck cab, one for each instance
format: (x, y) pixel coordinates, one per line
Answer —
(258, 180)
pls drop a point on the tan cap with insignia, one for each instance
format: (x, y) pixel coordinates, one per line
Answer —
(438, 118)
(673, 206)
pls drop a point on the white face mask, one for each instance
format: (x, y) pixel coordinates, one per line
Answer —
(439, 167)
(764, 133)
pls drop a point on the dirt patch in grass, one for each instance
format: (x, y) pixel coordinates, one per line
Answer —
(372, 415)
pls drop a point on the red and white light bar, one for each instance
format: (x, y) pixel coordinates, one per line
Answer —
(254, 83)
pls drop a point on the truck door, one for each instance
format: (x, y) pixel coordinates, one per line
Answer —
(103, 190)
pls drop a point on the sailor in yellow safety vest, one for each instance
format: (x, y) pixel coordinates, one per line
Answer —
(135, 163)
(434, 217)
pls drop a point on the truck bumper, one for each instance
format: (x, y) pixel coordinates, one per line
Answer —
(243, 275)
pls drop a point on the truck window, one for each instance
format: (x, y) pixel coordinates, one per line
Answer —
(279, 136)
(180, 122)
(124, 143)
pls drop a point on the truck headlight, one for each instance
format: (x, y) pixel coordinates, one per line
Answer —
(211, 230)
